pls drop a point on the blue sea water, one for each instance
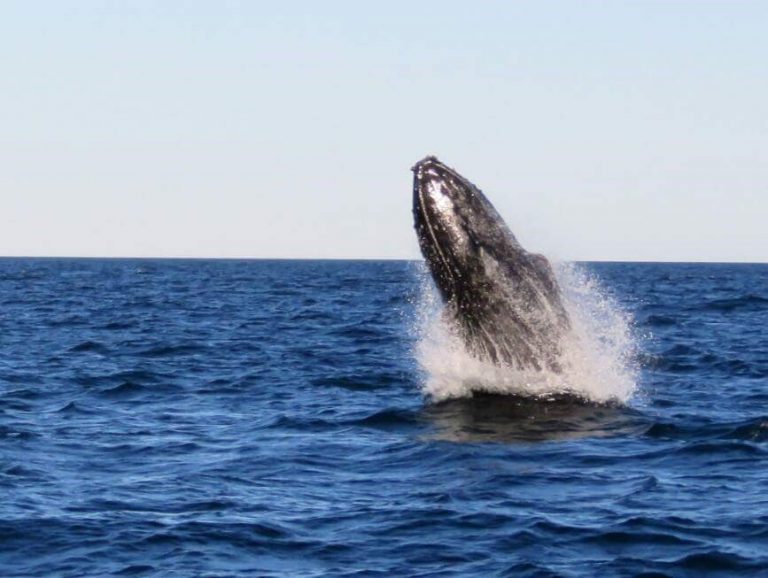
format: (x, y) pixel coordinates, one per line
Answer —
(267, 418)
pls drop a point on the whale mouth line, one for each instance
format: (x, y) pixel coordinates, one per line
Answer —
(426, 215)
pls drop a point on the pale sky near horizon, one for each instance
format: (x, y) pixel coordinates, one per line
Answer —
(616, 130)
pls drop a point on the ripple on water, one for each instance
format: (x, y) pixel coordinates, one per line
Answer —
(266, 418)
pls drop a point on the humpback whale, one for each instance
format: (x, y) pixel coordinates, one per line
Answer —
(502, 301)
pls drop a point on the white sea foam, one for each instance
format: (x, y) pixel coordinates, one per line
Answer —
(596, 360)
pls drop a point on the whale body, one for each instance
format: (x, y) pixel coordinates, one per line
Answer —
(502, 301)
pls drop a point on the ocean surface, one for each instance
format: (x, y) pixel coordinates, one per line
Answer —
(285, 418)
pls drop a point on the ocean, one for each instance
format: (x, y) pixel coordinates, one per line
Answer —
(311, 418)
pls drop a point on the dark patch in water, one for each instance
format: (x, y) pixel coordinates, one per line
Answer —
(748, 302)
(506, 418)
(89, 346)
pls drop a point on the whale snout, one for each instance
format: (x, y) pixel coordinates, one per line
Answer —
(424, 163)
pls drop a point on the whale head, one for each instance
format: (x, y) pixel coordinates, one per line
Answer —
(505, 301)
(460, 233)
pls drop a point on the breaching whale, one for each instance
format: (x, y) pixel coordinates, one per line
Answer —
(503, 301)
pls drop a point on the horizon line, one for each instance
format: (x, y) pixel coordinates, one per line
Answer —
(402, 259)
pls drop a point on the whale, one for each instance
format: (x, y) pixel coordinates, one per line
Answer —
(502, 301)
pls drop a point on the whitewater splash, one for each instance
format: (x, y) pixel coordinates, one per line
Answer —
(596, 355)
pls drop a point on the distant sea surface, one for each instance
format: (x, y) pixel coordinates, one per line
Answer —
(267, 418)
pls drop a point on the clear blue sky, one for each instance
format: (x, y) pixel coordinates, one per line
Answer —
(601, 130)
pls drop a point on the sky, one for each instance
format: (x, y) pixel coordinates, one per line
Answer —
(601, 130)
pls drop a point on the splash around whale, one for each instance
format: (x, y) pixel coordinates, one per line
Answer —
(509, 322)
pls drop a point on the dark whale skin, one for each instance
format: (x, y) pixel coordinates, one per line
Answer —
(503, 301)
